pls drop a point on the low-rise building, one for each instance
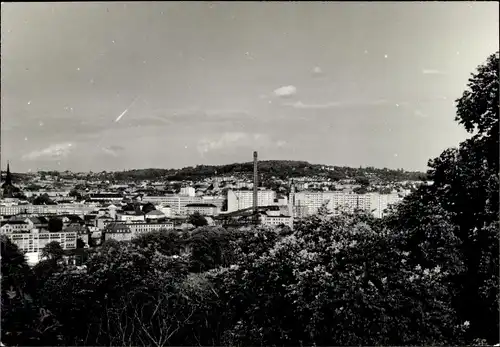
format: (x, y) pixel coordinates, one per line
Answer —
(154, 215)
(273, 219)
(35, 240)
(105, 197)
(118, 231)
(135, 216)
(143, 228)
(203, 209)
(15, 226)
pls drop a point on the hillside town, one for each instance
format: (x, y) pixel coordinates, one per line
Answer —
(79, 212)
(250, 174)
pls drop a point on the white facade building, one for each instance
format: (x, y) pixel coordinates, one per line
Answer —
(134, 217)
(187, 191)
(242, 199)
(47, 209)
(178, 203)
(337, 201)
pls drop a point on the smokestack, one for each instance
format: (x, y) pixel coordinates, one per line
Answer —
(255, 185)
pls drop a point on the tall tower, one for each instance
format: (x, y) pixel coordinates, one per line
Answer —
(291, 201)
(255, 185)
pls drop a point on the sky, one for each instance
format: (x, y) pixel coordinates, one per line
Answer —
(117, 86)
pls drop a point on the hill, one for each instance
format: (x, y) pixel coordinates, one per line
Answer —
(279, 169)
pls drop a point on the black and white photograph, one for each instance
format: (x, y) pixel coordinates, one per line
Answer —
(261, 173)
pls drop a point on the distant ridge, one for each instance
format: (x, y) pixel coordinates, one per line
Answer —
(280, 169)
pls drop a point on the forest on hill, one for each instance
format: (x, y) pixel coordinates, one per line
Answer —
(279, 169)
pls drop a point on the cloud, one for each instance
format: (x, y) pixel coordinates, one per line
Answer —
(301, 105)
(285, 91)
(317, 70)
(116, 148)
(336, 104)
(432, 72)
(55, 151)
(419, 113)
(225, 140)
(237, 139)
(113, 150)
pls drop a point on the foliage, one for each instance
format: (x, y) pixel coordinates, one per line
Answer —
(43, 199)
(209, 248)
(148, 208)
(279, 169)
(197, 219)
(75, 194)
(53, 251)
(337, 281)
(23, 321)
(454, 222)
(55, 225)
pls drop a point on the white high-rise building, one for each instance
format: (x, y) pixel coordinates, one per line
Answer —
(335, 201)
(241, 199)
(178, 203)
(187, 191)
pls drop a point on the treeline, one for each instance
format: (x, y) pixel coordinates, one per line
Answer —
(280, 169)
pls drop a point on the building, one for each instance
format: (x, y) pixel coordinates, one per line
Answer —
(203, 209)
(138, 229)
(35, 240)
(307, 202)
(380, 203)
(242, 199)
(127, 231)
(8, 189)
(105, 197)
(274, 216)
(187, 191)
(178, 203)
(117, 231)
(165, 209)
(155, 215)
(130, 217)
(78, 209)
(15, 226)
(277, 220)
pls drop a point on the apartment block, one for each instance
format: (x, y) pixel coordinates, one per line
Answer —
(339, 201)
(203, 209)
(121, 231)
(35, 240)
(178, 203)
(242, 199)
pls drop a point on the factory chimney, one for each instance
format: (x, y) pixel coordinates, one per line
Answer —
(255, 186)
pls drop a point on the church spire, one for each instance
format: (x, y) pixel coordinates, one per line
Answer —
(8, 177)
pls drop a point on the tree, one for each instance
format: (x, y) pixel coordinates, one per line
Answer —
(55, 225)
(197, 219)
(75, 194)
(364, 181)
(80, 243)
(336, 281)
(53, 251)
(148, 208)
(167, 242)
(465, 191)
(24, 322)
(466, 180)
(126, 295)
(210, 248)
(43, 199)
